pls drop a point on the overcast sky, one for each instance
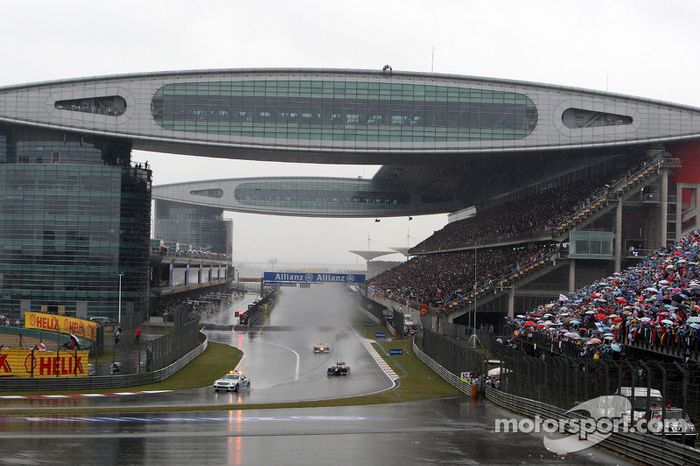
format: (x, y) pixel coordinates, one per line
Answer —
(637, 47)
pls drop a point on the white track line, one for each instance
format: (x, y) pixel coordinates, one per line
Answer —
(296, 371)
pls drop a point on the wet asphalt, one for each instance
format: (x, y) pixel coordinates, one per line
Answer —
(282, 367)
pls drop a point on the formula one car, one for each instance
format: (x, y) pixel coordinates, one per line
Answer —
(339, 369)
(232, 382)
(321, 347)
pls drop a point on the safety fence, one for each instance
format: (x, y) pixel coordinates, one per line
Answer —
(565, 379)
(448, 376)
(645, 448)
(140, 354)
(105, 381)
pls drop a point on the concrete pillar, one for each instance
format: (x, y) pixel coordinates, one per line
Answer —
(618, 236)
(663, 236)
(572, 275)
(511, 302)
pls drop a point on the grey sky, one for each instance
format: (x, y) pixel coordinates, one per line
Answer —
(642, 48)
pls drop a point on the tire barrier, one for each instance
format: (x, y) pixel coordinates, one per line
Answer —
(645, 448)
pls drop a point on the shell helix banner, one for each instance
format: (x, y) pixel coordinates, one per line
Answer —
(28, 363)
(61, 324)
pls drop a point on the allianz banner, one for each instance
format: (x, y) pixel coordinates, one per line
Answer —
(61, 324)
(308, 277)
(27, 363)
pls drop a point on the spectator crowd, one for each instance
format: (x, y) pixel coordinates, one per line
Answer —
(655, 305)
(541, 210)
(439, 279)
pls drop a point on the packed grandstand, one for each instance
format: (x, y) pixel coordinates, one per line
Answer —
(544, 209)
(450, 267)
(655, 304)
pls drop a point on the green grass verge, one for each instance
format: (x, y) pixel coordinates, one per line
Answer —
(417, 382)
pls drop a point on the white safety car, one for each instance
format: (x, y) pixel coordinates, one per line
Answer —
(232, 382)
(321, 347)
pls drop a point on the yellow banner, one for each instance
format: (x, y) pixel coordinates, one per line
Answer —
(53, 323)
(22, 363)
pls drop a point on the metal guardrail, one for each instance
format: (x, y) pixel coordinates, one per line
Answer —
(103, 381)
(645, 448)
(448, 376)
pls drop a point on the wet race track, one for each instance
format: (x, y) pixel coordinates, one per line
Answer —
(282, 367)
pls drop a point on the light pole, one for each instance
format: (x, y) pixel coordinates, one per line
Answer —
(119, 317)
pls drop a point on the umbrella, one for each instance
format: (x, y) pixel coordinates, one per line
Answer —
(529, 323)
(593, 341)
(600, 317)
(667, 322)
(616, 347)
(572, 335)
(617, 319)
(651, 290)
(645, 319)
(520, 316)
(590, 312)
(575, 322)
(693, 320)
(695, 325)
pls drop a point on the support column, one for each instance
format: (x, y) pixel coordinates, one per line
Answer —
(511, 302)
(572, 275)
(663, 234)
(618, 236)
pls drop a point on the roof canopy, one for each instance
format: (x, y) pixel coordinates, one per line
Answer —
(369, 255)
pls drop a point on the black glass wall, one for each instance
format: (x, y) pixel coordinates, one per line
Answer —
(344, 111)
(202, 228)
(74, 215)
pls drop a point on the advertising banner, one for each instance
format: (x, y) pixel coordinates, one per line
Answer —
(61, 324)
(28, 363)
(308, 277)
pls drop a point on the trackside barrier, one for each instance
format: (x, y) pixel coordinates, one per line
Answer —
(645, 448)
(449, 377)
(104, 381)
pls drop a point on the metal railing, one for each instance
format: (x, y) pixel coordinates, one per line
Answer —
(104, 381)
(645, 448)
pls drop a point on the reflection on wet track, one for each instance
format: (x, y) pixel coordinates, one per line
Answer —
(280, 362)
(282, 367)
(448, 431)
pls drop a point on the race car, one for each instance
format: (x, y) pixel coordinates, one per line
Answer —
(339, 369)
(321, 347)
(232, 382)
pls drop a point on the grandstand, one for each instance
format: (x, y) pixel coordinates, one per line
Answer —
(528, 247)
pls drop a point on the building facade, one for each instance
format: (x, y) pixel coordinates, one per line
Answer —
(75, 212)
(74, 216)
(201, 228)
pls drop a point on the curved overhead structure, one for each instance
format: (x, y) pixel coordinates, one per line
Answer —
(76, 219)
(342, 116)
(308, 197)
